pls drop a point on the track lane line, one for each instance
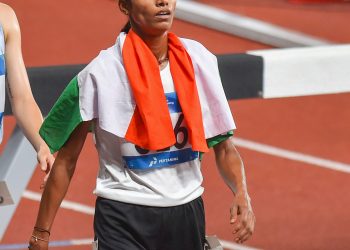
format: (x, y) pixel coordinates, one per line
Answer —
(233, 246)
(292, 155)
(88, 241)
(71, 205)
(60, 243)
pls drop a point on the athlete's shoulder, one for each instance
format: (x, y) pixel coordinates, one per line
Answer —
(6, 10)
(198, 51)
(103, 61)
(109, 61)
(194, 46)
(8, 19)
(199, 54)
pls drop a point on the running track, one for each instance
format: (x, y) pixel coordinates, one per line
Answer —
(298, 205)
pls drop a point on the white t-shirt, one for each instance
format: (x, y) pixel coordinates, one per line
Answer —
(164, 178)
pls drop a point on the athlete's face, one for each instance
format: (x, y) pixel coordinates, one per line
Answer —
(149, 17)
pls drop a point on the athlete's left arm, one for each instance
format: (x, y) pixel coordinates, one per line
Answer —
(24, 107)
(231, 168)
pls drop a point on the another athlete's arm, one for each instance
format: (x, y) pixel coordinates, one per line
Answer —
(231, 168)
(57, 185)
(24, 107)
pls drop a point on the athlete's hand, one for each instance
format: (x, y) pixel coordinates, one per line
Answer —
(242, 217)
(45, 160)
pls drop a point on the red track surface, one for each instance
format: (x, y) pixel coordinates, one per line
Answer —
(298, 206)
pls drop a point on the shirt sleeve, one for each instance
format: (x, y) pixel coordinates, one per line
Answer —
(211, 142)
(219, 138)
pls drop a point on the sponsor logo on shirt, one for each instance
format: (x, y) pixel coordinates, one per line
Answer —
(136, 157)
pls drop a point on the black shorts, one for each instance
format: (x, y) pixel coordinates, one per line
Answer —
(123, 226)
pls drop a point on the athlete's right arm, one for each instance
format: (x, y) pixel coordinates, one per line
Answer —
(24, 107)
(57, 185)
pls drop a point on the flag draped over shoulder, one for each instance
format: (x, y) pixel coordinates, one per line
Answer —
(113, 90)
(151, 125)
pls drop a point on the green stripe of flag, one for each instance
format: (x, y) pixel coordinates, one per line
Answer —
(63, 118)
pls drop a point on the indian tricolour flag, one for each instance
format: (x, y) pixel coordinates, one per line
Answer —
(101, 91)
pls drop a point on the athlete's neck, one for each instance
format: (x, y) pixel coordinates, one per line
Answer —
(158, 44)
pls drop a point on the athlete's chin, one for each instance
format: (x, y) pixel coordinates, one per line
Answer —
(163, 25)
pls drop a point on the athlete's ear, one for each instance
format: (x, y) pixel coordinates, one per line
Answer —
(124, 6)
